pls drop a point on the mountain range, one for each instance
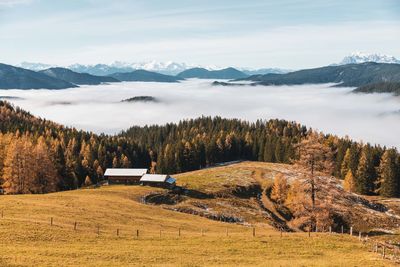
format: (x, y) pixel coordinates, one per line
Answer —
(167, 68)
(77, 78)
(145, 76)
(18, 78)
(353, 75)
(360, 57)
(201, 73)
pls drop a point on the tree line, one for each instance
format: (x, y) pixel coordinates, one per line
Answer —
(78, 156)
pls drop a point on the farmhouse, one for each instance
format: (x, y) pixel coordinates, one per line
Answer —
(124, 176)
(159, 180)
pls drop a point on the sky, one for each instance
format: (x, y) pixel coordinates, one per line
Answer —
(289, 34)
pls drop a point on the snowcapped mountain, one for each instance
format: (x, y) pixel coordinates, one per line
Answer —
(360, 57)
(35, 66)
(168, 68)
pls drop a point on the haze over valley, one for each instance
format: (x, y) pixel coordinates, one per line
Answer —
(336, 110)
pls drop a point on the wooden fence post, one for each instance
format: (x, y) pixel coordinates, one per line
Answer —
(383, 251)
(137, 233)
(160, 233)
(117, 232)
(359, 235)
(254, 231)
(351, 230)
(342, 229)
(51, 221)
(75, 225)
(330, 229)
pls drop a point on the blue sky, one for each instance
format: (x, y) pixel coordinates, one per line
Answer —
(285, 33)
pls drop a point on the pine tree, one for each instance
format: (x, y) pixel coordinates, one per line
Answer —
(314, 157)
(365, 174)
(349, 183)
(88, 181)
(279, 189)
(45, 176)
(388, 174)
(350, 161)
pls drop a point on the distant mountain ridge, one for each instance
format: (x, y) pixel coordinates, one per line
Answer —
(344, 75)
(201, 73)
(383, 87)
(77, 78)
(18, 78)
(167, 68)
(145, 76)
(360, 57)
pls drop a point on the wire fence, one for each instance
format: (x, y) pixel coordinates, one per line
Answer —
(386, 249)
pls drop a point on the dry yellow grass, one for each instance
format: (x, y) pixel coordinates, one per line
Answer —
(28, 239)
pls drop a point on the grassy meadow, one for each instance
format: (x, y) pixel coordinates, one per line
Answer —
(109, 217)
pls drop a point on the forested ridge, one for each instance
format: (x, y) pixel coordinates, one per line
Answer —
(70, 158)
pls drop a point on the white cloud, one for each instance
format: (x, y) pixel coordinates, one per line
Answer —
(371, 118)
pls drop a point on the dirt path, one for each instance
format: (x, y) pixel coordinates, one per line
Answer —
(267, 205)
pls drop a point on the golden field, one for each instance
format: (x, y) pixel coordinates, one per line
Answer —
(28, 239)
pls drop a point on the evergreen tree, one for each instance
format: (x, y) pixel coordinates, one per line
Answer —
(365, 174)
(279, 189)
(388, 181)
(349, 183)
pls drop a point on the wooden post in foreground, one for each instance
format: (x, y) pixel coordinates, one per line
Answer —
(254, 231)
(330, 229)
(51, 221)
(359, 235)
(342, 229)
(117, 232)
(75, 225)
(137, 233)
(351, 230)
(179, 231)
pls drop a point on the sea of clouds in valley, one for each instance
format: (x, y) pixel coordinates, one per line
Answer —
(373, 118)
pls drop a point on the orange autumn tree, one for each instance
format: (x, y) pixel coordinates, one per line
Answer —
(279, 189)
(315, 158)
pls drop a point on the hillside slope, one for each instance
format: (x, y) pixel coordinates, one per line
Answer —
(383, 87)
(345, 75)
(77, 78)
(201, 73)
(18, 78)
(145, 76)
(108, 219)
(235, 193)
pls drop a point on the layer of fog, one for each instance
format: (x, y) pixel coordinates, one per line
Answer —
(372, 118)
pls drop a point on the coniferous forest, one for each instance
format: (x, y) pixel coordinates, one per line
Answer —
(38, 156)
